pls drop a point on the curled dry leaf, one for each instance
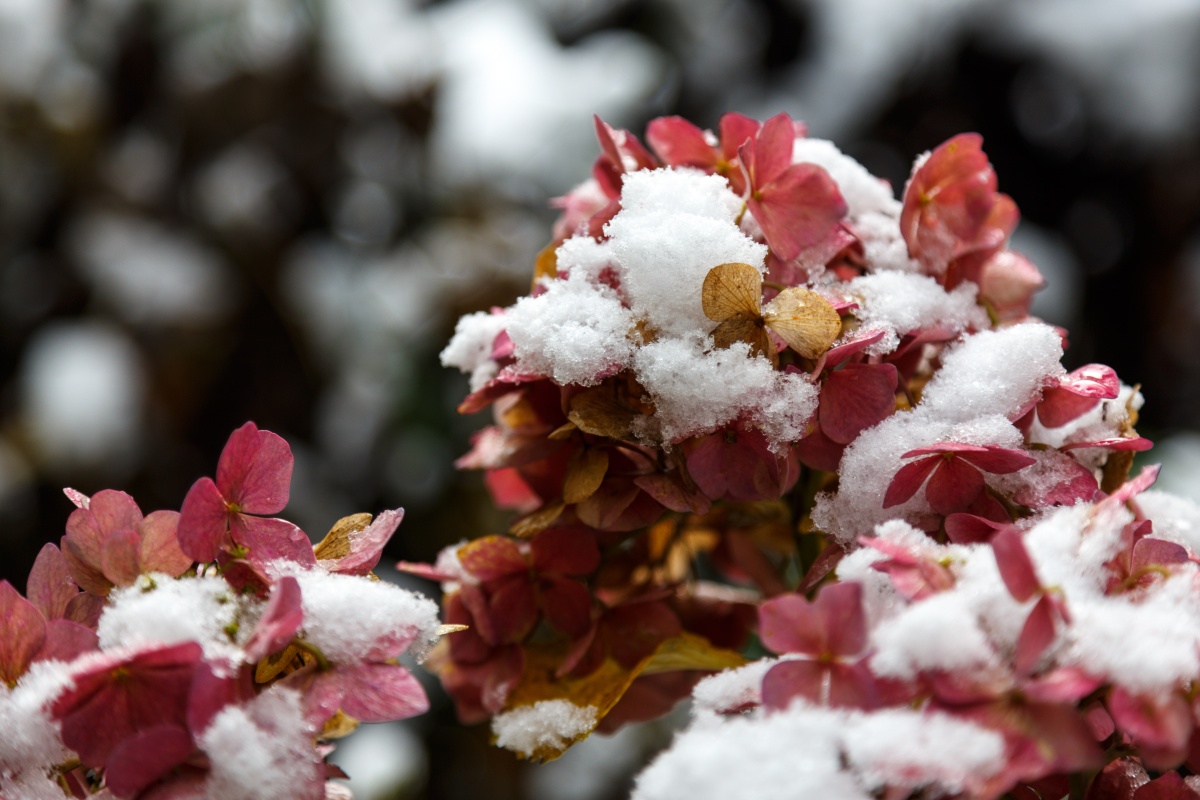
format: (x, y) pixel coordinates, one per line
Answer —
(585, 473)
(598, 412)
(336, 543)
(732, 296)
(532, 524)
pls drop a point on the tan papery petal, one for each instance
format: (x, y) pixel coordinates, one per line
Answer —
(732, 290)
(804, 319)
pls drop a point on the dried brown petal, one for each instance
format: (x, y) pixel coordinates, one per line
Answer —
(336, 543)
(804, 319)
(532, 524)
(585, 473)
(546, 264)
(598, 412)
(732, 290)
(745, 329)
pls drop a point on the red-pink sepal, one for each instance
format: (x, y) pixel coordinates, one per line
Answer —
(269, 539)
(204, 522)
(619, 149)
(1159, 725)
(22, 633)
(820, 683)
(116, 697)
(376, 692)
(255, 470)
(798, 206)
(963, 528)
(679, 143)
(1037, 634)
(737, 463)
(856, 397)
(65, 641)
(1168, 786)
(212, 689)
(145, 758)
(1077, 393)
(1016, 567)
(280, 620)
(1135, 444)
(832, 625)
(914, 574)
(956, 480)
(50, 586)
(670, 490)
(87, 530)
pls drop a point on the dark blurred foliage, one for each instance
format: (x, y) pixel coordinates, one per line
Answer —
(1127, 208)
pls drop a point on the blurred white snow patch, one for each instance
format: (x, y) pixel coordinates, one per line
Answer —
(157, 609)
(546, 723)
(513, 103)
(30, 39)
(31, 741)
(139, 166)
(217, 39)
(1176, 519)
(386, 49)
(234, 190)
(149, 274)
(590, 768)
(82, 390)
(382, 760)
(1179, 455)
(788, 755)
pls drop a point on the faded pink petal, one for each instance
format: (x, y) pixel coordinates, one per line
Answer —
(203, 522)
(953, 486)
(1135, 444)
(66, 640)
(818, 451)
(269, 539)
(366, 545)
(788, 680)
(855, 398)
(50, 586)
(512, 608)
(1135, 486)
(119, 558)
(255, 470)
(22, 632)
(145, 757)
(908, 480)
(114, 511)
(771, 151)
(379, 692)
(1066, 685)
(77, 497)
(82, 548)
(280, 620)
(738, 464)
(964, 528)
(1036, 635)
(1016, 568)
(679, 143)
(492, 557)
(799, 209)
(1151, 552)
(1159, 726)
(85, 608)
(210, 692)
(570, 551)
(159, 550)
(1077, 393)
(833, 624)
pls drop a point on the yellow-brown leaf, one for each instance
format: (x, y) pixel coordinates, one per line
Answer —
(336, 543)
(804, 319)
(546, 264)
(745, 329)
(585, 473)
(532, 524)
(598, 412)
(732, 290)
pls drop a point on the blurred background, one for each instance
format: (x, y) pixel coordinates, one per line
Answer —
(275, 210)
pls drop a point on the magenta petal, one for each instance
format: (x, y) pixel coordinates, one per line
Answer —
(791, 624)
(114, 510)
(146, 757)
(855, 398)
(366, 545)
(819, 451)
(159, 550)
(1159, 723)
(50, 586)
(680, 143)
(954, 485)
(203, 521)
(797, 210)
(255, 470)
(1016, 568)
(1036, 635)
(66, 640)
(22, 632)
(119, 558)
(908, 480)
(269, 539)
(852, 686)
(570, 551)
(280, 620)
(85, 609)
(512, 607)
(999, 460)
(1060, 406)
(380, 692)
(788, 680)
(964, 528)
(1136, 444)
(771, 152)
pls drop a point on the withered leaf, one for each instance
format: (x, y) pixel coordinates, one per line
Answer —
(745, 329)
(546, 264)
(338, 726)
(336, 543)
(732, 290)
(585, 473)
(532, 524)
(598, 412)
(804, 319)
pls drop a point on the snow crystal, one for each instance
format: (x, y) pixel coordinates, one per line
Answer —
(661, 276)
(862, 191)
(789, 755)
(696, 391)
(884, 247)
(470, 349)
(261, 750)
(352, 620)
(31, 739)
(574, 332)
(938, 633)
(584, 256)
(732, 689)
(994, 372)
(898, 303)
(899, 747)
(159, 609)
(547, 723)
(1176, 519)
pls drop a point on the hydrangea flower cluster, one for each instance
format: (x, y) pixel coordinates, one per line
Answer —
(210, 653)
(754, 404)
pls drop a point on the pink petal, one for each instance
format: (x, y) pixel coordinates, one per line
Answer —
(831, 624)
(1136, 444)
(771, 152)
(855, 398)
(1168, 786)
(679, 143)
(999, 460)
(798, 210)
(852, 686)
(1066, 685)
(210, 692)
(570, 551)
(954, 485)
(114, 511)
(50, 586)
(1150, 552)
(908, 480)
(1092, 380)
(1135, 486)
(380, 692)
(1059, 406)
(971, 529)
(159, 550)
(269, 539)
(85, 608)
(840, 604)
(492, 557)
(1016, 568)
(82, 548)
(66, 640)
(735, 129)
(22, 632)
(819, 451)
(1037, 634)
(858, 341)
(120, 557)
(1158, 725)
(255, 470)
(145, 757)
(366, 545)
(280, 620)
(203, 522)
(788, 680)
